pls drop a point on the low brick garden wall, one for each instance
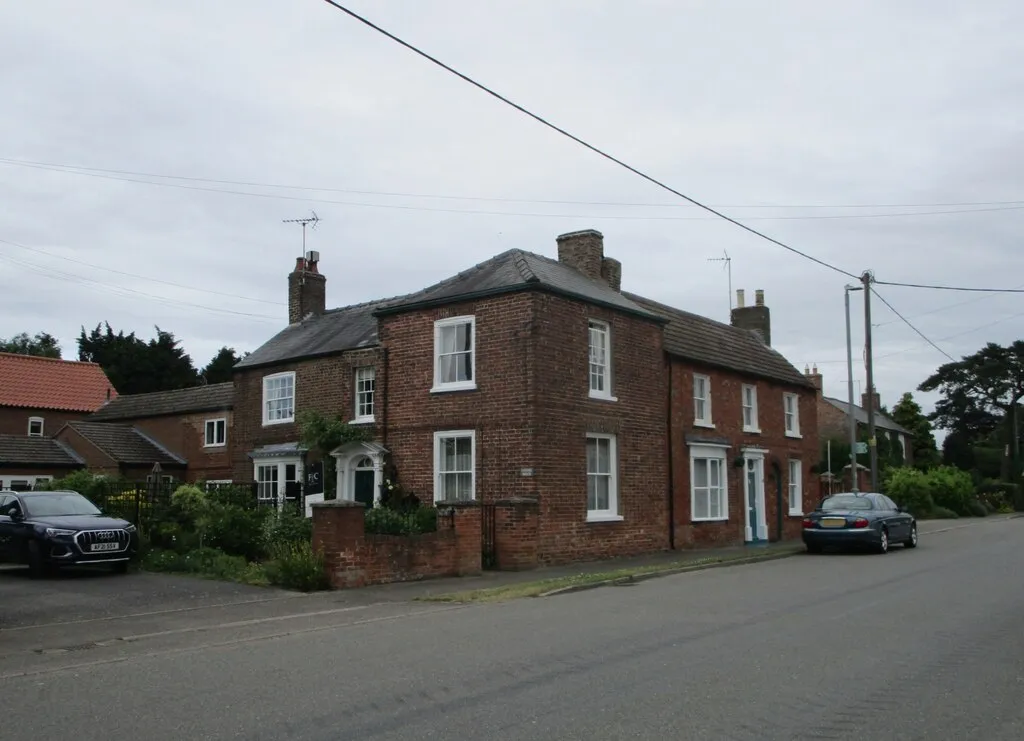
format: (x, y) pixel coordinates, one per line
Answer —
(354, 558)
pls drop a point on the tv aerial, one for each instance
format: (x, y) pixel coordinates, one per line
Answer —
(314, 220)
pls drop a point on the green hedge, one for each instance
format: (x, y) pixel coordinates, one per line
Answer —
(940, 492)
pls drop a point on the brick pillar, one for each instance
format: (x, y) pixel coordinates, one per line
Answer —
(338, 529)
(516, 532)
(467, 537)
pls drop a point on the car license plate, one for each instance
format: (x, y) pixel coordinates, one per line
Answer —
(105, 547)
(833, 522)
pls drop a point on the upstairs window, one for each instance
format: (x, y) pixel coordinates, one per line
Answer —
(279, 398)
(216, 433)
(600, 360)
(702, 401)
(366, 381)
(455, 354)
(35, 426)
(791, 406)
(749, 399)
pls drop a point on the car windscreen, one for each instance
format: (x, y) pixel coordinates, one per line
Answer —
(846, 503)
(57, 504)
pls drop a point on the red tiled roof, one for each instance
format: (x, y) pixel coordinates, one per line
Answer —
(48, 383)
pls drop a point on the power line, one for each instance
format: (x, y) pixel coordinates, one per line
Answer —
(614, 217)
(63, 167)
(950, 288)
(583, 143)
(124, 291)
(139, 277)
(909, 324)
(944, 308)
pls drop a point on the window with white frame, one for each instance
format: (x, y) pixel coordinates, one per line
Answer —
(796, 487)
(35, 426)
(702, 400)
(366, 380)
(791, 406)
(216, 433)
(455, 466)
(749, 398)
(602, 478)
(455, 353)
(600, 360)
(708, 490)
(279, 398)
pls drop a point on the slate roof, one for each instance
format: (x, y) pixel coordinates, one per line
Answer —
(51, 383)
(353, 327)
(702, 340)
(36, 451)
(861, 415)
(126, 444)
(214, 397)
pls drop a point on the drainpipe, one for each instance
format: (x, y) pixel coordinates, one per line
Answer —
(671, 458)
(384, 406)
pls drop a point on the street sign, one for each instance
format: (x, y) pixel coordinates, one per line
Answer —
(860, 448)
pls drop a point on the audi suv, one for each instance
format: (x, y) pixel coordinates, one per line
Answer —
(45, 529)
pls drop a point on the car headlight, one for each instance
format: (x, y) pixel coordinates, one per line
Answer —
(129, 528)
(56, 532)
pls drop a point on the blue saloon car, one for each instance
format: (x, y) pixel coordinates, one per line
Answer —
(859, 520)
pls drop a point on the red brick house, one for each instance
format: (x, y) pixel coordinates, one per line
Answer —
(525, 376)
(193, 424)
(37, 397)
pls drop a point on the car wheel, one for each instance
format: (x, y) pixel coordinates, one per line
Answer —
(812, 548)
(883, 544)
(36, 565)
(911, 542)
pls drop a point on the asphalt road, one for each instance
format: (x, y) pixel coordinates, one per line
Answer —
(919, 644)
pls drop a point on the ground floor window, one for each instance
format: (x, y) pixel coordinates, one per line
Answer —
(708, 484)
(277, 480)
(24, 482)
(455, 466)
(602, 477)
(796, 489)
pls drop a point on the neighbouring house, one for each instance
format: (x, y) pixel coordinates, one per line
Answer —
(123, 450)
(834, 424)
(634, 426)
(37, 397)
(194, 424)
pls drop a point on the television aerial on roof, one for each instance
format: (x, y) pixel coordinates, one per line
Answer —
(314, 220)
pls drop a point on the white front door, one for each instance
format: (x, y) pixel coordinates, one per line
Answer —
(755, 525)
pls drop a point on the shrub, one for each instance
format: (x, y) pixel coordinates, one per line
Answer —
(387, 521)
(975, 508)
(909, 488)
(237, 531)
(288, 528)
(297, 566)
(941, 513)
(951, 488)
(997, 495)
(207, 562)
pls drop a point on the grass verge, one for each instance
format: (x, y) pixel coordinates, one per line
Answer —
(578, 582)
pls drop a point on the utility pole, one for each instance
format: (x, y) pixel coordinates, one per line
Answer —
(867, 279)
(852, 418)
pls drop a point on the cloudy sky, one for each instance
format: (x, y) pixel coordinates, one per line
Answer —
(150, 151)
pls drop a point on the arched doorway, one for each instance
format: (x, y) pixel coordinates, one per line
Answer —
(362, 481)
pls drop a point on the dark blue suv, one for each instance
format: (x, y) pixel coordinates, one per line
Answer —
(44, 529)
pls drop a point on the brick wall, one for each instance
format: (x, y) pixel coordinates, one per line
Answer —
(322, 384)
(353, 558)
(14, 420)
(565, 414)
(185, 435)
(728, 421)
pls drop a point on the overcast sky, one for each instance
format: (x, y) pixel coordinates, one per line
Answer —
(785, 115)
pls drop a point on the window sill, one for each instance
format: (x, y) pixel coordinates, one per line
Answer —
(602, 397)
(705, 425)
(795, 435)
(215, 445)
(603, 517)
(272, 422)
(362, 421)
(795, 513)
(462, 386)
(708, 519)
(752, 430)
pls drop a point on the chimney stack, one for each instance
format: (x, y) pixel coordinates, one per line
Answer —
(583, 250)
(307, 289)
(866, 398)
(815, 378)
(756, 318)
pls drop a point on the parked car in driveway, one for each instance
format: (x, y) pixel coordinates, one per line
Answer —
(864, 520)
(45, 529)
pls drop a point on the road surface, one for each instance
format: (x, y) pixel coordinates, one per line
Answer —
(917, 644)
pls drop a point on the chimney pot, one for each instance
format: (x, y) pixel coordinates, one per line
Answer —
(759, 297)
(740, 298)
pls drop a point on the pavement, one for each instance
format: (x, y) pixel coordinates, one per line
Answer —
(917, 644)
